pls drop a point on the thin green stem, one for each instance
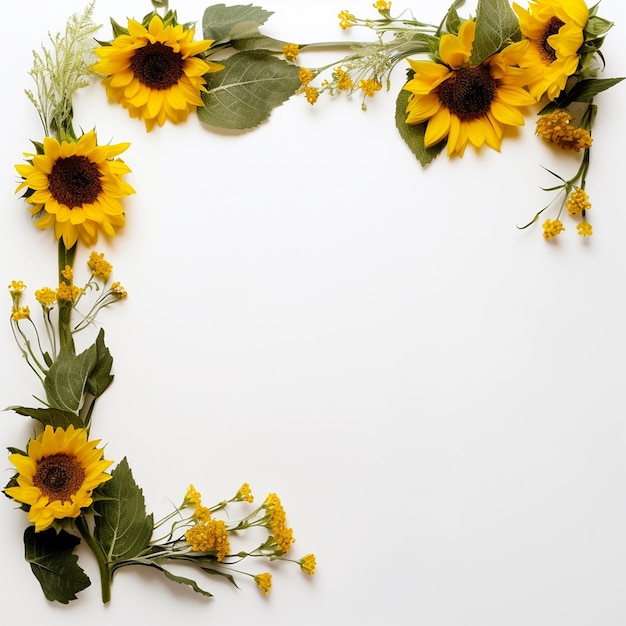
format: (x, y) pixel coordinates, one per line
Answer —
(66, 342)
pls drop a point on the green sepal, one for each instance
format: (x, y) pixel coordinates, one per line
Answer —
(219, 21)
(53, 563)
(496, 26)
(122, 527)
(243, 94)
(413, 134)
(57, 418)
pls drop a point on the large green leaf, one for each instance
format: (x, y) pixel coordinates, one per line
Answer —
(243, 94)
(122, 527)
(219, 21)
(496, 24)
(413, 134)
(583, 91)
(52, 417)
(54, 565)
(100, 377)
(67, 377)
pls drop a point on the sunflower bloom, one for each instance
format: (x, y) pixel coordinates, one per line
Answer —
(555, 30)
(76, 187)
(58, 475)
(466, 103)
(155, 72)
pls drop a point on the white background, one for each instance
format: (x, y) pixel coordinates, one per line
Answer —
(436, 396)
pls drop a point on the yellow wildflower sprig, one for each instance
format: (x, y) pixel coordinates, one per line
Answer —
(196, 537)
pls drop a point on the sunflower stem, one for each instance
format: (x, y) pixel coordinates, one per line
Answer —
(66, 341)
(103, 565)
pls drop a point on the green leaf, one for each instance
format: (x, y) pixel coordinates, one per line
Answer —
(56, 418)
(413, 134)
(243, 94)
(100, 377)
(182, 580)
(586, 90)
(67, 377)
(496, 24)
(122, 527)
(219, 20)
(452, 20)
(257, 41)
(55, 566)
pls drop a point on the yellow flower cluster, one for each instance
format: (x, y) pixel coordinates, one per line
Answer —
(578, 202)
(584, 229)
(283, 535)
(290, 52)
(46, 297)
(552, 228)
(369, 87)
(264, 581)
(99, 266)
(68, 293)
(308, 564)
(244, 494)
(556, 128)
(20, 313)
(382, 6)
(210, 535)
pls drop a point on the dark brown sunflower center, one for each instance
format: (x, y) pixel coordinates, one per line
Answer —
(157, 66)
(547, 52)
(59, 477)
(75, 181)
(468, 92)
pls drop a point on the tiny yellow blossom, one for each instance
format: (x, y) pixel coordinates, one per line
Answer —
(264, 581)
(244, 494)
(308, 564)
(68, 273)
(118, 291)
(311, 94)
(381, 6)
(344, 82)
(16, 288)
(551, 228)
(68, 293)
(290, 52)
(306, 76)
(584, 229)
(192, 497)
(346, 20)
(99, 266)
(578, 202)
(20, 313)
(202, 513)
(369, 86)
(46, 297)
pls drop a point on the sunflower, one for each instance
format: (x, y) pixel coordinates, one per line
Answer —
(155, 72)
(76, 187)
(467, 103)
(555, 30)
(58, 475)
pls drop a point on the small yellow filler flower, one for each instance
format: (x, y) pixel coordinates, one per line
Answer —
(552, 228)
(76, 187)
(157, 72)
(57, 476)
(264, 582)
(308, 564)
